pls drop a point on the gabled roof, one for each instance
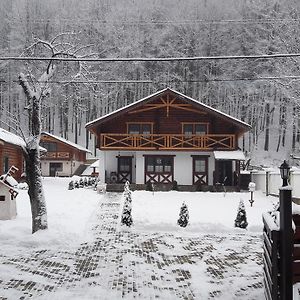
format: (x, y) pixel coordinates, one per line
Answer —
(142, 101)
(11, 138)
(66, 142)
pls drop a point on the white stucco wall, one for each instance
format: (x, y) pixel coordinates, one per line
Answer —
(183, 166)
(68, 167)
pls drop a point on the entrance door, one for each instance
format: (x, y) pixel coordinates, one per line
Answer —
(54, 168)
(200, 170)
(124, 169)
(224, 170)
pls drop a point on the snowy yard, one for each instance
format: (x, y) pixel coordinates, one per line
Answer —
(86, 253)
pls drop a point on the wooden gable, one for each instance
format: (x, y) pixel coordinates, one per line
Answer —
(167, 110)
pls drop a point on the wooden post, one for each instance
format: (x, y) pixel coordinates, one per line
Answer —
(286, 243)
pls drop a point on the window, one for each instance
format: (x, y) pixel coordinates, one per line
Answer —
(159, 164)
(2, 198)
(139, 128)
(5, 164)
(50, 146)
(189, 129)
(200, 165)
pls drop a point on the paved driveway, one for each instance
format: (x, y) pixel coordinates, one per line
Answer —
(138, 265)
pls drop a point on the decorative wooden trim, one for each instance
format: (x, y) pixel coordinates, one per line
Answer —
(200, 177)
(123, 176)
(167, 142)
(168, 104)
(158, 177)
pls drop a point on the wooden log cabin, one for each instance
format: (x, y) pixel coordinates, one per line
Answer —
(11, 153)
(169, 137)
(63, 158)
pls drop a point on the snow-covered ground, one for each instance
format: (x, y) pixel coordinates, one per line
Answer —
(69, 217)
(208, 212)
(73, 214)
(70, 214)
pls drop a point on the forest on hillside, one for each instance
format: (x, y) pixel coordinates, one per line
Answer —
(261, 92)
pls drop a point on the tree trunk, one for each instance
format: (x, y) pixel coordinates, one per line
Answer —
(35, 190)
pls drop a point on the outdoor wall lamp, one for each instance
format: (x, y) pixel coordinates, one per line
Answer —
(284, 172)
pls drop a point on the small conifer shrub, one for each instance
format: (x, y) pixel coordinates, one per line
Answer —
(241, 218)
(183, 216)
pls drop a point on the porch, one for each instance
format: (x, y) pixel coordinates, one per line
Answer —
(191, 171)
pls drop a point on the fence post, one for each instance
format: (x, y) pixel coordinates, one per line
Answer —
(267, 183)
(286, 243)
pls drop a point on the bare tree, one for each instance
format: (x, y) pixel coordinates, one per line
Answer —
(36, 91)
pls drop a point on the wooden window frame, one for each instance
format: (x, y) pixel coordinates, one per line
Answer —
(140, 124)
(164, 175)
(194, 123)
(197, 174)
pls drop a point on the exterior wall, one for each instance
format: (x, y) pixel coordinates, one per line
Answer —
(69, 167)
(8, 209)
(71, 152)
(275, 181)
(183, 165)
(15, 158)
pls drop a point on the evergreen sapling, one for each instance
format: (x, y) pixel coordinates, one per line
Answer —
(241, 218)
(183, 216)
(71, 185)
(126, 217)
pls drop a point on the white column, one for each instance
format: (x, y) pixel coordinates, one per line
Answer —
(102, 166)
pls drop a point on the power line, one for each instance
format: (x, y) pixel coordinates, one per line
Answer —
(170, 81)
(166, 22)
(151, 59)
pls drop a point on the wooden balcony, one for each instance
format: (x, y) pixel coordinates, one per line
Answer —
(55, 155)
(167, 142)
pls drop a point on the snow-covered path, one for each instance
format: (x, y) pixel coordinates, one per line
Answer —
(119, 263)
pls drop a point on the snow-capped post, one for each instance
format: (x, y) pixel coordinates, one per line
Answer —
(251, 188)
(286, 234)
(183, 216)
(126, 217)
(241, 218)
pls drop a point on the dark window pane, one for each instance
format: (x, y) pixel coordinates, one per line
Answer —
(51, 147)
(200, 129)
(188, 129)
(145, 129)
(134, 128)
(5, 164)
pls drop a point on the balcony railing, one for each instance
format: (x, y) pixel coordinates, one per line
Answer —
(57, 155)
(167, 141)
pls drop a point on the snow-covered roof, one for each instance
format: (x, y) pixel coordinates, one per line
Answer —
(66, 142)
(11, 138)
(160, 92)
(229, 155)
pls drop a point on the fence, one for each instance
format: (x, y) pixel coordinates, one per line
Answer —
(269, 181)
(271, 258)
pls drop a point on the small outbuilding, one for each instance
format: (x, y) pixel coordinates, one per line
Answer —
(8, 207)
(63, 157)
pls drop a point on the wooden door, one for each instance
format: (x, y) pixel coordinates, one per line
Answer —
(124, 169)
(159, 168)
(54, 168)
(200, 170)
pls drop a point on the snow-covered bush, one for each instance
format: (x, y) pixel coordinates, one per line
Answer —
(71, 185)
(241, 218)
(76, 184)
(183, 216)
(126, 218)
